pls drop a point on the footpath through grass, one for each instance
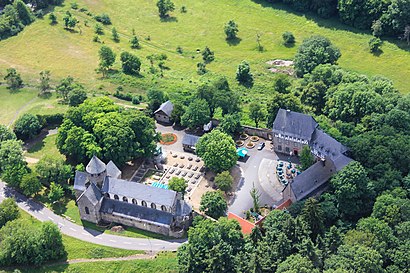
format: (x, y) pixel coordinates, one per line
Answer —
(41, 46)
(164, 263)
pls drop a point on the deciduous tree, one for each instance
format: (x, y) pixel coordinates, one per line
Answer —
(218, 151)
(231, 29)
(177, 184)
(213, 204)
(27, 126)
(107, 59)
(196, 114)
(30, 184)
(131, 64)
(224, 181)
(314, 51)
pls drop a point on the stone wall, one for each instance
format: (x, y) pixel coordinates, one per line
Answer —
(260, 132)
(88, 211)
(144, 225)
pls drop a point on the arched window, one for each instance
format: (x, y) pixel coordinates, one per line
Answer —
(87, 211)
(153, 206)
(116, 197)
(125, 199)
(144, 204)
(107, 195)
(163, 208)
(134, 201)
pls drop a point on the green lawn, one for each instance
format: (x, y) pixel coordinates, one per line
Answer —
(41, 46)
(46, 146)
(164, 263)
(15, 103)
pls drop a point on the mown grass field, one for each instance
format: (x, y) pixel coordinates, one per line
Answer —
(41, 46)
(15, 103)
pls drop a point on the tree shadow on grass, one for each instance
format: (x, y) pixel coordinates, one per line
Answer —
(234, 41)
(45, 95)
(289, 45)
(169, 19)
(377, 53)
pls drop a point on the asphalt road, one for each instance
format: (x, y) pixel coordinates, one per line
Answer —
(42, 213)
(250, 177)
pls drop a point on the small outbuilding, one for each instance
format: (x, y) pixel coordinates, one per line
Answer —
(164, 112)
(189, 142)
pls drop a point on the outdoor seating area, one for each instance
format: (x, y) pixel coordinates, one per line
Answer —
(286, 171)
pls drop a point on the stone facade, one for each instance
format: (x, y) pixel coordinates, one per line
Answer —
(164, 112)
(102, 197)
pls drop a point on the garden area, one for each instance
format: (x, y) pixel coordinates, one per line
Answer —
(168, 139)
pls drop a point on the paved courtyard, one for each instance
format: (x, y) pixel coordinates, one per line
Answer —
(257, 170)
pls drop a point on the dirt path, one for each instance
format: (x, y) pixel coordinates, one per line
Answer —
(31, 160)
(151, 255)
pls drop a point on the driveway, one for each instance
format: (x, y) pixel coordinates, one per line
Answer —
(89, 235)
(251, 176)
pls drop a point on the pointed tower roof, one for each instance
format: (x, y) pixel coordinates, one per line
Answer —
(95, 166)
(112, 170)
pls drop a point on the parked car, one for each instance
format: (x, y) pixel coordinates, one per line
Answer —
(261, 146)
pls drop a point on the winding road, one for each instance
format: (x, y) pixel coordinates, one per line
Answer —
(42, 213)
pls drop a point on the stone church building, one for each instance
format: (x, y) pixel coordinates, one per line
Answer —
(103, 197)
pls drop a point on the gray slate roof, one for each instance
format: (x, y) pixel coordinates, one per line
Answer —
(167, 107)
(312, 179)
(142, 213)
(92, 193)
(341, 161)
(190, 140)
(294, 124)
(326, 145)
(139, 191)
(79, 180)
(95, 166)
(112, 170)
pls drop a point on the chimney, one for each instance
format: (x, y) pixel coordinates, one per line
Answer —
(287, 111)
(323, 161)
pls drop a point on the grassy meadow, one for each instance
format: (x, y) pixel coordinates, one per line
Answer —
(42, 46)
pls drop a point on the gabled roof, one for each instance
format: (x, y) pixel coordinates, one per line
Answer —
(112, 170)
(167, 107)
(326, 145)
(246, 226)
(312, 179)
(95, 166)
(92, 193)
(144, 214)
(139, 191)
(190, 140)
(294, 124)
(79, 180)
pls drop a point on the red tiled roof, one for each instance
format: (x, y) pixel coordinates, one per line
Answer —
(285, 204)
(245, 224)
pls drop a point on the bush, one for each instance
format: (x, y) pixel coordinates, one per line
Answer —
(27, 126)
(103, 18)
(135, 100)
(375, 44)
(50, 120)
(288, 38)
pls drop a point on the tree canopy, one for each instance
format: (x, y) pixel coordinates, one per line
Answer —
(213, 204)
(101, 128)
(314, 51)
(218, 151)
